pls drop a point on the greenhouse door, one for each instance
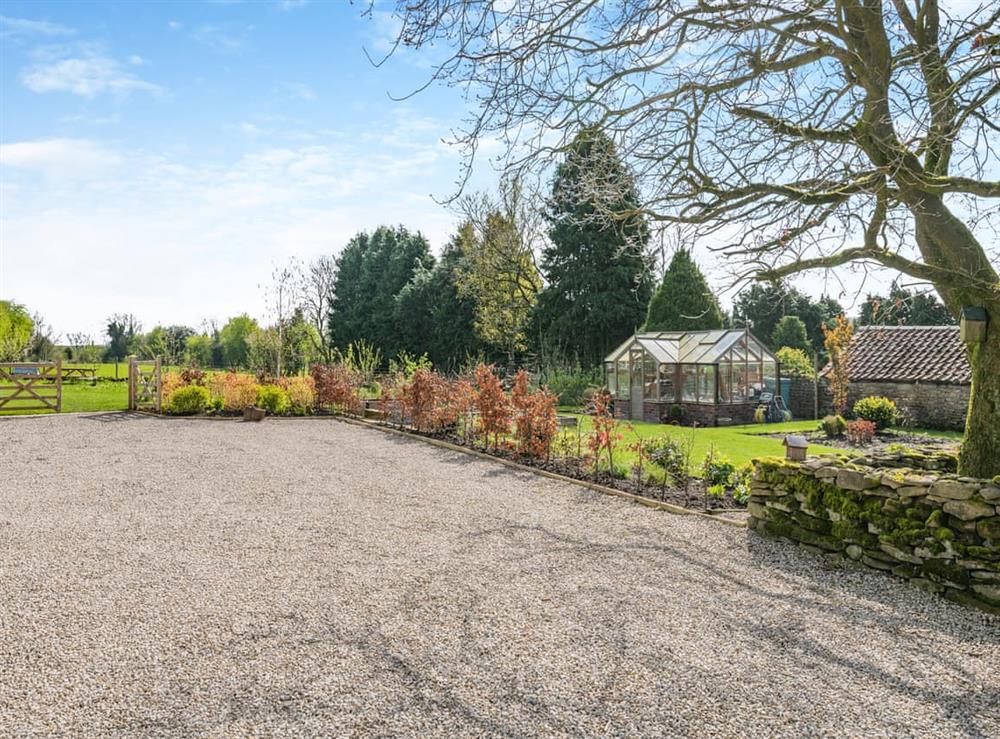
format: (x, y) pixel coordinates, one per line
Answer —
(635, 364)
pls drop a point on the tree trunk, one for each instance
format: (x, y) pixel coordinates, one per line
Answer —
(980, 455)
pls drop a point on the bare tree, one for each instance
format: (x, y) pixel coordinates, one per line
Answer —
(281, 296)
(314, 285)
(789, 134)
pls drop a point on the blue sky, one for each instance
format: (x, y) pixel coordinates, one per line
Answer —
(161, 158)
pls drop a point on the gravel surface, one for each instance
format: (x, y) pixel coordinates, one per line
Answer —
(309, 577)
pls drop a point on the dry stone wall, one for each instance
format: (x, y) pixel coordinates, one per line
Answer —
(907, 513)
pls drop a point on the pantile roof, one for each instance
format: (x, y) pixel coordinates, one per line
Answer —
(908, 354)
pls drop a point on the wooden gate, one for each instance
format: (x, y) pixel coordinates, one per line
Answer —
(31, 386)
(145, 387)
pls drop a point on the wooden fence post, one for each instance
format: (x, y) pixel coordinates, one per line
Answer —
(58, 384)
(159, 387)
(131, 384)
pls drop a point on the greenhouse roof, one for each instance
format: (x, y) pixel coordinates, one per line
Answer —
(689, 347)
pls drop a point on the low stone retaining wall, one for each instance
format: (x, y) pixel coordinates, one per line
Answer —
(894, 512)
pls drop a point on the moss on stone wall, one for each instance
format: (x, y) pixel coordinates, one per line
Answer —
(938, 529)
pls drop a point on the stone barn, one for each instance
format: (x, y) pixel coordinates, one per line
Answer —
(924, 369)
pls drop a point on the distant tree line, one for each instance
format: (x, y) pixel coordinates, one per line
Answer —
(547, 283)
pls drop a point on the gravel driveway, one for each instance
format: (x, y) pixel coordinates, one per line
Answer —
(309, 577)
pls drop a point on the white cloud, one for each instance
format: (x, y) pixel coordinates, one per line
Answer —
(60, 158)
(28, 27)
(88, 75)
(221, 40)
(206, 229)
(301, 90)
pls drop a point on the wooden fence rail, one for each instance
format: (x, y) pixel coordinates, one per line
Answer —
(31, 386)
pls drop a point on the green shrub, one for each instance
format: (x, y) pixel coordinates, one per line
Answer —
(880, 411)
(716, 491)
(272, 399)
(716, 469)
(670, 456)
(189, 400)
(795, 363)
(570, 386)
(740, 482)
(833, 426)
(217, 404)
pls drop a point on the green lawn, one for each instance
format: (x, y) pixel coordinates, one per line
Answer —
(82, 396)
(104, 369)
(739, 444)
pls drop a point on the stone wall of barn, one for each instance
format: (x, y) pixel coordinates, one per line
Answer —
(924, 405)
(901, 513)
(802, 398)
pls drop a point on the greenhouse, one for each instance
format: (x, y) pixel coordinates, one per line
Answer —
(704, 377)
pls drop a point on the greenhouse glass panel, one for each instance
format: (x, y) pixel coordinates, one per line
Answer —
(650, 391)
(609, 378)
(623, 386)
(725, 382)
(755, 380)
(706, 383)
(770, 376)
(739, 383)
(668, 393)
(689, 382)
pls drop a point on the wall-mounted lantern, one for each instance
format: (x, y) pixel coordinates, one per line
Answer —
(795, 447)
(973, 329)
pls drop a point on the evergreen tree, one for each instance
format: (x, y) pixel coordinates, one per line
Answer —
(763, 305)
(790, 332)
(433, 317)
(683, 302)
(598, 271)
(904, 308)
(371, 271)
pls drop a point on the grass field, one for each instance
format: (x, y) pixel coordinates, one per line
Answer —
(82, 396)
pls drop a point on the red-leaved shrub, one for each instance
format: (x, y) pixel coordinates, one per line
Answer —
(492, 404)
(337, 387)
(604, 437)
(860, 431)
(462, 401)
(423, 397)
(535, 423)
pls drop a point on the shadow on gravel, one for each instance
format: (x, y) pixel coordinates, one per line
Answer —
(786, 626)
(116, 416)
